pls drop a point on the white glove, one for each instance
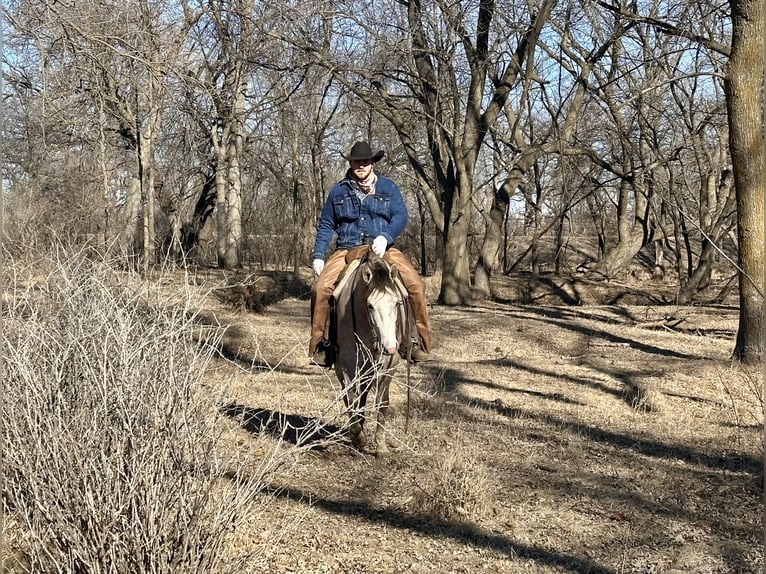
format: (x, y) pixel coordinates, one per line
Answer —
(379, 245)
(318, 265)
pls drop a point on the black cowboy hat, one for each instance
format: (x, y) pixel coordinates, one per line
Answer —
(362, 150)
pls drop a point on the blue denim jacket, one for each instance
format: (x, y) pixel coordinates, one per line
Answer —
(357, 222)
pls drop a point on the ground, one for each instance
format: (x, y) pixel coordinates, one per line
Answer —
(567, 427)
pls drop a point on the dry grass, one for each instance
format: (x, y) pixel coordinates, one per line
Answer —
(544, 439)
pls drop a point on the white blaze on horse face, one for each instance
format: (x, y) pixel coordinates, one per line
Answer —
(383, 308)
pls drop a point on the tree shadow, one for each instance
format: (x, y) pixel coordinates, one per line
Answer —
(230, 346)
(655, 449)
(558, 318)
(298, 430)
(575, 290)
(463, 532)
(451, 378)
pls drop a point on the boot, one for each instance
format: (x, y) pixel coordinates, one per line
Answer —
(419, 355)
(324, 356)
(417, 352)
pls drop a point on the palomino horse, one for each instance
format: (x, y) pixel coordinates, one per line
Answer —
(369, 317)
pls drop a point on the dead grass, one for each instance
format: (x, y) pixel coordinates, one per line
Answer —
(545, 438)
(454, 487)
(600, 438)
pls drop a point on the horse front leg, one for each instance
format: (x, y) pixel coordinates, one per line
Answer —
(355, 396)
(381, 435)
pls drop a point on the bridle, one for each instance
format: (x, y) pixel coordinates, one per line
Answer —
(377, 346)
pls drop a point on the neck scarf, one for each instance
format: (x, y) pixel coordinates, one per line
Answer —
(368, 185)
(363, 187)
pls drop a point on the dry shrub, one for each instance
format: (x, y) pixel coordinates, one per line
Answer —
(453, 488)
(743, 388)
(643, 398)
(111, 459)
(14, 560)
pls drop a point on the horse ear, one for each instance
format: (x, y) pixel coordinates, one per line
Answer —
(393, 272)
(367, 275)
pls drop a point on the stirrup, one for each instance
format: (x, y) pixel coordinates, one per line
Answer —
(324, 356)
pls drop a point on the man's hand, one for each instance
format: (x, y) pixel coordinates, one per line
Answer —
(379, 245)
(318, 265)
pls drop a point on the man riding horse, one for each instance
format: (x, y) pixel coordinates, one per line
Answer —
(364, 208)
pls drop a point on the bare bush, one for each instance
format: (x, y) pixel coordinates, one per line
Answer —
(453, 488)
(112, 459)
(743, 389)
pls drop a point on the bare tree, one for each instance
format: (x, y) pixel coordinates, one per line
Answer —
(291, 145)
(224, 35)
(440, 71)
(744, 102)
(526, 139)
(114, 62)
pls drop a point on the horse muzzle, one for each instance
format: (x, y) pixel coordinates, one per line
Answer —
(390, 350)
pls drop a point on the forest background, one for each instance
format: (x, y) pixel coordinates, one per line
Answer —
(211, 131)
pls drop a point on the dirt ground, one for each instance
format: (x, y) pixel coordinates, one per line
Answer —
(569, 427)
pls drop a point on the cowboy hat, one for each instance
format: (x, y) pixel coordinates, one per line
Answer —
(362, 150)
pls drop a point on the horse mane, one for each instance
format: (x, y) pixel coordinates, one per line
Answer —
(381, 271)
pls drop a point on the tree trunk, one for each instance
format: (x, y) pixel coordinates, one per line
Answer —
(744, 102)
(203, 209)
(631, 236)
(234, 183)
(491, 245)
(221, 206)
(558, 255)
(598, 218)
(146, 158)
(696, 280)
(456, 274)
(534, 258)
(298, 193)
(456, 281)
(150, 257)
(423, 247)
(233, 215)
(130, 236)
(105, 231)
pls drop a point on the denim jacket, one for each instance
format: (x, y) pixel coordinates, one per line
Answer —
(358, 222)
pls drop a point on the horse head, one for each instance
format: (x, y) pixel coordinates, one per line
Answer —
(378, 270)
(383, 301)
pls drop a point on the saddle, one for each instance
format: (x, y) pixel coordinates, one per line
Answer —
(407, 329)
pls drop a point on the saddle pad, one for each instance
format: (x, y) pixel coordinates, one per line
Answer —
(345, 277)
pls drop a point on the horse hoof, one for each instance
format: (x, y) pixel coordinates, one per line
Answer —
(382, 454)
(359, 440)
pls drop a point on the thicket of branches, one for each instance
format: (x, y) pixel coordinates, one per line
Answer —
(117, 446)
(113, 457)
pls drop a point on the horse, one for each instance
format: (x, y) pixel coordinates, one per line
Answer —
(369, 319)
